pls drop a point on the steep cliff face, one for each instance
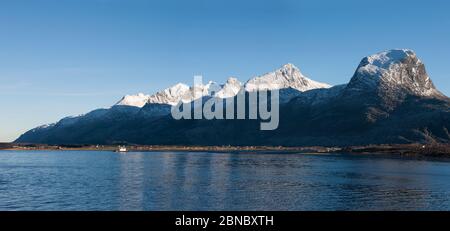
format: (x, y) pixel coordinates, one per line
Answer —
(392, 76)
(398, 71)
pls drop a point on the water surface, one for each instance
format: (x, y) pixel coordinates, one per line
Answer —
(90, 180)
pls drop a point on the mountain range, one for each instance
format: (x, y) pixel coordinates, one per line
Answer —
(389, 100)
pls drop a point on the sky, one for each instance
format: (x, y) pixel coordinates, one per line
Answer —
(67, 57)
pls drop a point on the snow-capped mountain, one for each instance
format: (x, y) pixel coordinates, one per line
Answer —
(184, 93)
(390, 99)
(230, 89)
(398, 70)
(171, 95)
(288, 76)
(201, 90)
(138, 100)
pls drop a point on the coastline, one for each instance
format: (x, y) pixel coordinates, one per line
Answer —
(429, 150)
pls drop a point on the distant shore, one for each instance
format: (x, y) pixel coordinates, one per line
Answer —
(432, 150)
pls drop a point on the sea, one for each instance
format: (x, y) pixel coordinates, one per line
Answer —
(197, 181)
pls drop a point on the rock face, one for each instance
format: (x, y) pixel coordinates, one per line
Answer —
(390, 99)
(393, 75)
(396, 71)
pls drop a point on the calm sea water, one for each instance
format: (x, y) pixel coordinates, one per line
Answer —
(89, 180)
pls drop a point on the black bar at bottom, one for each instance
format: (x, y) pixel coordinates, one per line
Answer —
(226, 220)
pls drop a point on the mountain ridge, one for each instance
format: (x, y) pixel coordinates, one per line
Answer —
(389, 99)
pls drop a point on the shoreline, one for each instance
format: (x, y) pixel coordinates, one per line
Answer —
(430, 150)
(168, 148)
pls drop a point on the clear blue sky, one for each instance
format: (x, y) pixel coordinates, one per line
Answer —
(67, 57)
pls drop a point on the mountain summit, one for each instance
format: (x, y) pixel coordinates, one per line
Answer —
(398, 70)
(171, 95)
(138, 100)
(288, 76)
(230, 89)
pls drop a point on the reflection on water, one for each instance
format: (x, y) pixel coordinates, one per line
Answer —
(81, 180)
(131, 182)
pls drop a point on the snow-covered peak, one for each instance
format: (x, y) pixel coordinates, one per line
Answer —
(138, 100)
(289, 67)
(171, 95)
(382, 61)
(288, 76)
(208, 89)
(230, 89)
(393, 70)
(179, 87)
(184, 93)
